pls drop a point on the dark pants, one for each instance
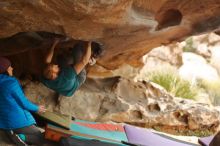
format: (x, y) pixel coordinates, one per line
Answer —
(81, 77)
(32, 136)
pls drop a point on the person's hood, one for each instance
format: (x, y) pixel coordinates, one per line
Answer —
(4, 79)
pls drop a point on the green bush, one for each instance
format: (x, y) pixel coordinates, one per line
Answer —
(212, 88)
(189, 45)
(163, 79)
(174, 84)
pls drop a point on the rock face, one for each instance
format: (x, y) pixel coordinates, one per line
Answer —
(127, 28)
(161, 59)
(216, 57)
(195, 68)
(137, 103)
(170, 55)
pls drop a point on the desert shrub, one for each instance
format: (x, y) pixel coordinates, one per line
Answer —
(213, 89)
(173, 84)
(189, 45)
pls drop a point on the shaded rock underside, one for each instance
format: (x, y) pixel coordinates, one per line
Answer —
(128, 29)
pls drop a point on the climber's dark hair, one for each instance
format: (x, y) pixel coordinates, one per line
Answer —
(97, 49)
(79, 50)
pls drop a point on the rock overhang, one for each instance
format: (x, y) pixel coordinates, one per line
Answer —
(128, 29)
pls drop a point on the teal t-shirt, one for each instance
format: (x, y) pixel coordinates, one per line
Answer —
(66, 83)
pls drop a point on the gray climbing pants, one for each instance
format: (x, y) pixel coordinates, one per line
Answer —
(81, 77)
(32, 135)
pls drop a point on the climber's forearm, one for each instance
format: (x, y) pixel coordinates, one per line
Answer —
(50, 53)
(85, 60)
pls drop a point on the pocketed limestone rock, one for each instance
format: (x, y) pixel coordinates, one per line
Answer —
(138, 103)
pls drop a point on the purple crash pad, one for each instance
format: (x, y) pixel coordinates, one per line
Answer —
(205, 141)
(147, 138)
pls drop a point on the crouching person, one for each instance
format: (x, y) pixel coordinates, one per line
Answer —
(15, 117)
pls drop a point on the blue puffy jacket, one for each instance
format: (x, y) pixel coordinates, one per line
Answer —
(15, 108)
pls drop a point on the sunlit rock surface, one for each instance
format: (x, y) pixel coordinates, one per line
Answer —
(137, 103)
(196, 68)
(161, 59)
(128, 29)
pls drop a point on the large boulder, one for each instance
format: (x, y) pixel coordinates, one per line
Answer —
(160, 59)
(137, 103)
(215, 58)
(196, 68)
(128, 29)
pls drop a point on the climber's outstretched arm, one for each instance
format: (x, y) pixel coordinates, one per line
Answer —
(49, 55)
(81, 65)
